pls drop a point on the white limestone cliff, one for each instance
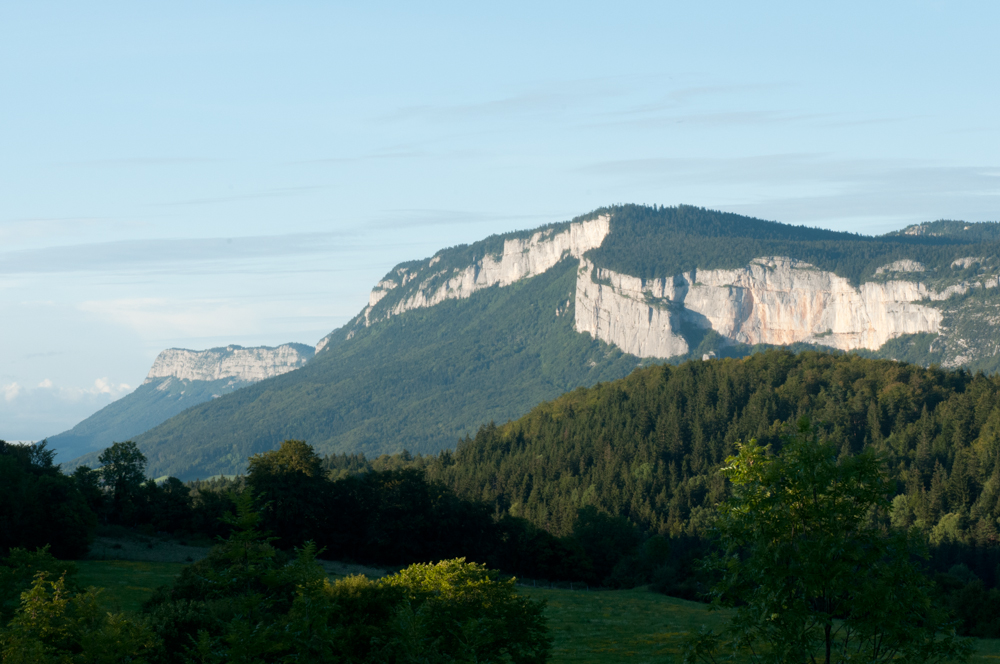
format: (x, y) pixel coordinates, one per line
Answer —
(232, 362)
(520, 259)
(618, 310)
(773, 300)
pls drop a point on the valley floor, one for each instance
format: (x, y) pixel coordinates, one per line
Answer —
(588, 627)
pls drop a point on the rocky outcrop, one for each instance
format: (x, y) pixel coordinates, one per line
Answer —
(966, 262)
(905, 265)
(520, 258)
(628, 312)
(773, 300)
(233, 362)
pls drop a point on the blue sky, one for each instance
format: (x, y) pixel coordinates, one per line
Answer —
(195, 174)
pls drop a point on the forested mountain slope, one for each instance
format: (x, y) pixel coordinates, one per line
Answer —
(419, 381)
(649, 446)
(414, 369)
(178, 379)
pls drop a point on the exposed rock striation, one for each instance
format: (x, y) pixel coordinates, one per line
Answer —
(774, 300)
(239, 364)
(520, 259)
(634, 314)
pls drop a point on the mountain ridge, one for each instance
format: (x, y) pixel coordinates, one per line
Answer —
(178, 379)
(683, 294)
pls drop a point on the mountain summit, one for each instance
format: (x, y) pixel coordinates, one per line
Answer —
(485, 331)
(178, 379)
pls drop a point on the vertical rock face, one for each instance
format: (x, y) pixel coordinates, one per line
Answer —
(773, 300)
(783, 301)
(619, 309)
(520, 259)
(233, 362)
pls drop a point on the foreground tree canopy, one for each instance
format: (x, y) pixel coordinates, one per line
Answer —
(807, 571)
(249, 602)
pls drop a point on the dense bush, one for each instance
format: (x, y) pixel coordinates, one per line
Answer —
(248, 601)
(54, 624)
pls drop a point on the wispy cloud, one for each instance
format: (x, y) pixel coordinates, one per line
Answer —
(178, 318)
(10, 391)
(796, 169)
(281, 192)
(415, 218)
(714, 119)
(678, 98)
(100, 386)
(52, 408)
(131, 162)
(24, 232)
(868, 195)
(387, 155)
(161, 317)
(147, 255)
(542, 98)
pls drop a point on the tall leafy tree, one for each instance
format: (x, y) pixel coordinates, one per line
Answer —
(123, 470)
(291, 488)
(39, 505)
(808, 575)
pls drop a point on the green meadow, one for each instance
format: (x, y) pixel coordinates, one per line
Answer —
(126, 584)
(595, 627)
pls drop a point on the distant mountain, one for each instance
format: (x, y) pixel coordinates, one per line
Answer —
(177, 380)
(485, 331)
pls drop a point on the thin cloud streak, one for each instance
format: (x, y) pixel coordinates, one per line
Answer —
(795, 169)
(555, 96)
(683, 97)
(148, 254)
(130, 162)
(866, 195)
(236, 198)
(375, 156)
(395, 219)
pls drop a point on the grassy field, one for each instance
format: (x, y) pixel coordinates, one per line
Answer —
(126, 584)
(598, 627)
(639, 626)
(619, 626)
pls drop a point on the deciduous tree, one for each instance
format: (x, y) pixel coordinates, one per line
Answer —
(808, 575)
(123, 470)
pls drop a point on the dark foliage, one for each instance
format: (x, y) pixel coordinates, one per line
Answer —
(658, 242)
(647, 449)
(396, 517)
(250, 602)
(39, 506)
